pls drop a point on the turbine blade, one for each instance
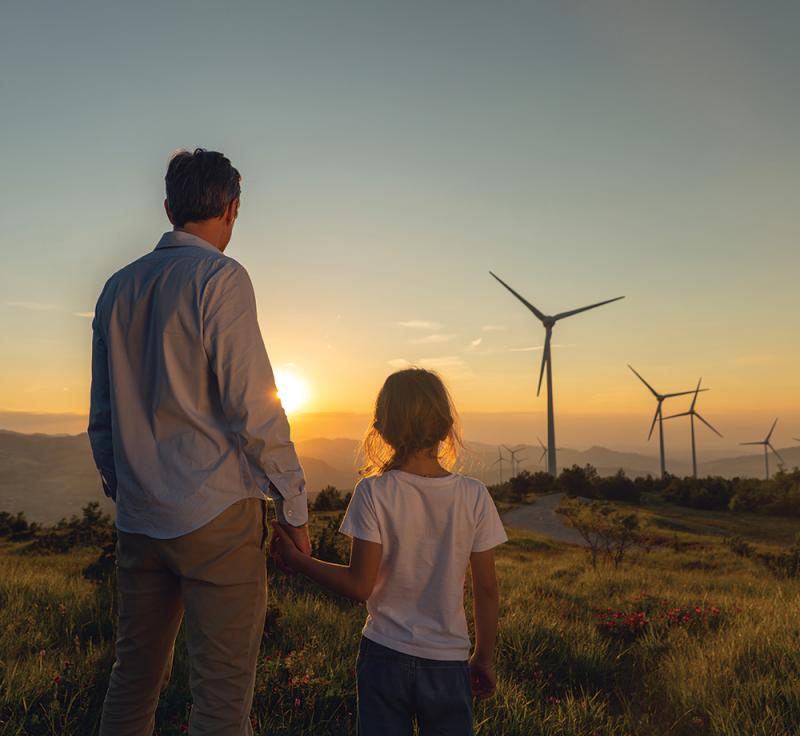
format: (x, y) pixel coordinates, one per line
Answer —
(760, 442)
(685, 393)
(545, 449)
(696, 391)
(780, 457)
(521, 298)
(561, 315)
(653, 425)
(772, 429)
(682, 414)
(543, 456)
(545, 359)
(639, 376)
(707, 424)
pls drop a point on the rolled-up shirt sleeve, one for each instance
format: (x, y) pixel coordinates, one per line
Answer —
(247, 390)
(99, 429)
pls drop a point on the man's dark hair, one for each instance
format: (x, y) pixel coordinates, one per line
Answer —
(200, 185)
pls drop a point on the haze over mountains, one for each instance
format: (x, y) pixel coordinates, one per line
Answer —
(52, 476)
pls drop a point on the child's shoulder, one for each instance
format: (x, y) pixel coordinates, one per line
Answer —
(472, 485)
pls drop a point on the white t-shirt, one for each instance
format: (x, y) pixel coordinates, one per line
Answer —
(428, 527)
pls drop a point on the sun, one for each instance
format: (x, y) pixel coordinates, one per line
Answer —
(292, 390)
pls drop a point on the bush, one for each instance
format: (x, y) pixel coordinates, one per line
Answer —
(330, 499)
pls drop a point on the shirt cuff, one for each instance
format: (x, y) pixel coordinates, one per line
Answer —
(293, 511)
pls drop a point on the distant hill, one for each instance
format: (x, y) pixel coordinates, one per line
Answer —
(53, 476)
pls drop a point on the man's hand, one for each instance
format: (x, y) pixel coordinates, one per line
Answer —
(482, 677)
(288, 541)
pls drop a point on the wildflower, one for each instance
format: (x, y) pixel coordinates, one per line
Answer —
(297, 702)
(67, 664)
(57, 679)
(698, 721)
(306, 679)
(42, 653)
(184, 728)
(554, 700)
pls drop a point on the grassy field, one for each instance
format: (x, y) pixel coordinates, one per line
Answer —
(703, 642)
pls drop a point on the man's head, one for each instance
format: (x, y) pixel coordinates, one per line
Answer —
(203, 191)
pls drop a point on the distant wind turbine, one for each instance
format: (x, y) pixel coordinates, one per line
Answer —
(767, 447)
(692, 414)
(549, 322)
(514, 461)
(544, 451)
(500, 460)
(658, 416)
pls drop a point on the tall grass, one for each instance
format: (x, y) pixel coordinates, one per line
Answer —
(737, 674)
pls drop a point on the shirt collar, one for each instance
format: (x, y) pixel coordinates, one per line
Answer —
(175, 238)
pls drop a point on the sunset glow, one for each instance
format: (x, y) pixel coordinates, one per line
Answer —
(292, 390)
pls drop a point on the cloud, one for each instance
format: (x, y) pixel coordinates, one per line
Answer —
(493, 328)
(87, 315)
(432, 339)
(474, 343)
(452, 365)
(420, 324)
(33, 306)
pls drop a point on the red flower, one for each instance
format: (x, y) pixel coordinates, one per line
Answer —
(297, 702)
(57, 679)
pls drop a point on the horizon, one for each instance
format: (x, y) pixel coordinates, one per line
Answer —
(581, 153)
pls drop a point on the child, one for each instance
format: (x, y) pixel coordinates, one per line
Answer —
(415, 526)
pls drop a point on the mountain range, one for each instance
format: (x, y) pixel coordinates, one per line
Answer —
(53, 476)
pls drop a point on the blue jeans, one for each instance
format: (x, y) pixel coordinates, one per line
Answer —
(394, 689)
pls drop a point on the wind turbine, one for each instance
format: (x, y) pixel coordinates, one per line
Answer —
(544, 450)
(549, 322)
(659, 417)
(500, 460)
(514, 461)
(767, 447)
(692, 414)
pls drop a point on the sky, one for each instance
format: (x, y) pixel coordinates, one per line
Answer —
(392, 154)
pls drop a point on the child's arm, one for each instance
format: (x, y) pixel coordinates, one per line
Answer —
(486, 606)
(355, 580)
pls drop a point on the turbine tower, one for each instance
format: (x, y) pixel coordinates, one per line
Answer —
(514, 461)
(767, 447)
(692, 414)
(500, 460)
(544, 451)
(549, 322)
(658, 416)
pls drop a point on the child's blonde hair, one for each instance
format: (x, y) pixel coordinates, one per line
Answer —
(413, 412)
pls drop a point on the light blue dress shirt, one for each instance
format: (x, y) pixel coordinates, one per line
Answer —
(185, 419)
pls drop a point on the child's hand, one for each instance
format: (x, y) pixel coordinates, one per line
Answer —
(482, 677)
(283, 549)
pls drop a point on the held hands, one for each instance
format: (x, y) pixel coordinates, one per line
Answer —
(288, 545)
(482, 677)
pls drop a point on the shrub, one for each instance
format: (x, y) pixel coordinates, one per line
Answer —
(330, 499)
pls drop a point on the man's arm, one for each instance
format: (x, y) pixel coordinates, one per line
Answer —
(247, 390)
(100, 414)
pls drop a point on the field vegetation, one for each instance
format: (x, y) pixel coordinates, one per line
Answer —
(691, 633)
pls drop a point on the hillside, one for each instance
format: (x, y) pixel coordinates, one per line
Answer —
(51, 476)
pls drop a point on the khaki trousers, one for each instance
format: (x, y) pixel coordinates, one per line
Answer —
(216, 578)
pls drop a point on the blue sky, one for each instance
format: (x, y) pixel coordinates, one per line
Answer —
(393, 153)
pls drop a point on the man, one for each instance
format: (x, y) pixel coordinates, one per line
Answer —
(190, 438)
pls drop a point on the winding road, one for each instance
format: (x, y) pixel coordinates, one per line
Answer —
(541, 517)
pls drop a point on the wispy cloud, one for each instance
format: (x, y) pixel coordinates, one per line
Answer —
(452, 365)
(474, 343)
(432, 339)
(87, 315)
(34, 306)
(493, 328)
(420, 324)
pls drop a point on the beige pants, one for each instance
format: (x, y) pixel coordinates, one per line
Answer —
(215, 576)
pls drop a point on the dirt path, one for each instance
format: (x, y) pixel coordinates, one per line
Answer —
(541, 517)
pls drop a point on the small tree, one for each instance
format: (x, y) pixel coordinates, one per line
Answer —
(328, 499)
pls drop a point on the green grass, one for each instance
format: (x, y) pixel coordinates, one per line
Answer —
(558, 674)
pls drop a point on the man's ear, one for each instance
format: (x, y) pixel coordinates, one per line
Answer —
(168, 211)
(231, 211)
